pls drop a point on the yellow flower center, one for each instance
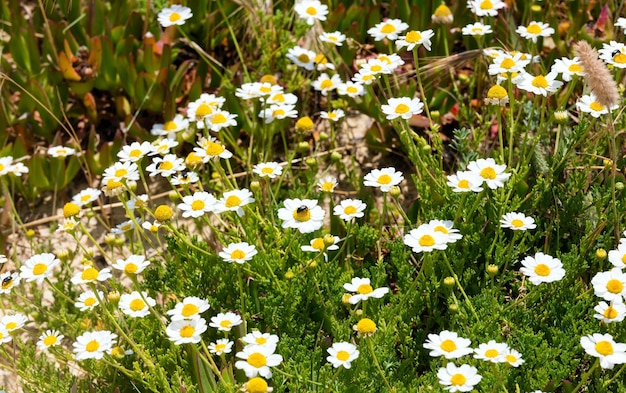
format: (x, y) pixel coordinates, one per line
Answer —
(226, 323)
(376, 68)
(189, 310)
(388, 28)
(442, 229)
(304, 58)
(328, 187)
(413, 37)
(463, 184)
(619, 58)
(233, 201)
(170, 126)
(203, 110)
(604, 348)
(366, 326)
(624, 258)
(349, 210)
(574, 68)
(614, 286)
(488, 173)
(540, 81)
(220, 347)
(90, 301)
(279, 98)
(458, 380)
(596, 106)
(219, 119)
(39, 269)
(280, 112)
(187, 331)
(384, 179)
(214, 149)
(2, 167)
(477, 30)
(364, 289)
(497, 91)
(130, 268)
(267, 170)
(302, 214)
(401, 109)
(256, 385)
(442, 11)
(260, 340)
(326, 84)
(486, 5)
(510, 358)
(89, 274)
(113, 184)
(174, 16)
(257, 360)
(517, 223)
(426, 241)
(50, 340)
(311, 11)
(343, 355)
(10, 326)
(166, 166)
(318, 244)
(92, 346)
(534, 28)
(121, 172)
(542, 270)
(507, 63)
(265, 89)
(491, 353)
(137, 305)
(610, 313)
(352, 90)
(197, 205)
(237, 254)
(448, 345)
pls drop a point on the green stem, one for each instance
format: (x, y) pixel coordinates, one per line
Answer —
(458, 284)
(586, 376)
(368, 340)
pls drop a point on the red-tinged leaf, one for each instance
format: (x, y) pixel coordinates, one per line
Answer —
(65, 65)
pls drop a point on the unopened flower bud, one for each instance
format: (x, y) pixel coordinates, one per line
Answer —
(448, 282)
(601, 253)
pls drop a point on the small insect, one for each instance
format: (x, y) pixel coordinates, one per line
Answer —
(615, 52)
(302, 209)
(7, 280)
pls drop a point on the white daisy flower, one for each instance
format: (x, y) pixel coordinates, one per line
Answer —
(166, 166)
(225, 321)
(517, 222)
(282, 98)
(248, 91)
(311, 10)
(588, 104)
(465, 181)
(186, 331)
(121, 172)
(304, 215)
(327, 184)
(607, 313)
(446, 227)
(325, 83)
(93, 345)
(322, 244)
(476, 29)
(13, 322)
(342, 354)
(364, 78)
(404, 107)
(614, 53)
(203, 107)
(363, 290)
(376, 67)
(351, 89)
(135, 304)
(184, 178)
(610, 286)
(349, 209)
(38, 267)
(170, 128)
(125, 226)
(238, 252)
(8, 280)
(198, 204)
(492, 352)
(88, 300)
(541, 84)
(542, 268)
(5, 164)
(61, 151)
(384, 179)
(414, 38)
(5, 337)
(621, 23)
(257, 360)
(174, 15)
(261, 339)
(618, 257)
(210, 148)
(276, 111)
(333, 115)
(605, 348)
(567, 67)
(190, 308)
(425, 239)
(458, 379)
(221, 346)
(389, 29)
(134, 264)
(90, 275)
(508, 63)
(302, 57)
(134, 152)
(485, 7)
(234, 200)
(162, 146)
(268, 169)
(86, 196)
(337, 38)
(448, 344)
(218, 120)
(491, 173)
(534, 30)
(48, 339)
